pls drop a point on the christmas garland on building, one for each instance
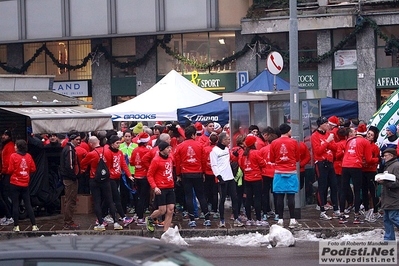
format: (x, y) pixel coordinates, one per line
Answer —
(163, 43)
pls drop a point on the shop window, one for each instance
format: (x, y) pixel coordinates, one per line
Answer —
(38, 67)
(66, 52)
(201, 48)
(387, 54)
(167, 62)
(124, 51)
(3, 57)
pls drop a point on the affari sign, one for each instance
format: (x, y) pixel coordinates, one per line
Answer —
(196, 117)
(72, 88)
(383, 82)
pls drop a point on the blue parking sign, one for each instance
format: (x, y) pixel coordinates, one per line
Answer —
(242, 78)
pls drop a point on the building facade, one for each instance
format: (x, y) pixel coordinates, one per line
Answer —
(107, 51)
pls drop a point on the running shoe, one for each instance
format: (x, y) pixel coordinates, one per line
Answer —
(140, 221)
(336, 214)
(216, 215)
(161, 224)
(109, 219)
(242, 218)
(342, 219)
(2, 220)
(117, 226)
(222, 224)
(127, 220)
(99, 227)
(149, 222)
(35, 228)
(261, 223)
(324, 216)
(264, 218)
(16, 228)
(202, 215)
(276, 218)
(207, 223)
(237, 223)
(357, 220)
(280, 222)
(294, 224)
(328, 206)
(104, 223)
(192, 224)
(7, 221)
(250, 222)
(72, 226)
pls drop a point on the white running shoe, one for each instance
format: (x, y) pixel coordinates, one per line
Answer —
(294, 224)
(109, 219)
(117, 226)
(324, 216)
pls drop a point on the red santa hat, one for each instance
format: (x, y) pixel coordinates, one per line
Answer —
(361, 129)
(199, 127)
(250, 140)
(143, 137)
(333, 120)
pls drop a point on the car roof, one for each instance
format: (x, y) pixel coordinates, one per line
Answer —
(115, 249)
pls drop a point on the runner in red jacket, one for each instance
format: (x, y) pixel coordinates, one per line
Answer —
(160, 177)
(357, 150)
(189, 170)
(21, 165)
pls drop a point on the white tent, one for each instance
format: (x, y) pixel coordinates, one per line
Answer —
(161, 101)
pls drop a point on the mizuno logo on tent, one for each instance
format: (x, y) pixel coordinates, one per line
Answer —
(140, 116)
(206, 118)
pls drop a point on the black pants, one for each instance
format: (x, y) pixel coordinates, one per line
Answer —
(211, 192)
(327, 179)
(197, 183)
(253, 189)
(125, 192)
(101, 191)
(266, 189)
(280, 205)
(116, 197)
(5, 191)
(143, 190)
(229, 187)
(368, 184)
(349, 192)
(357, 180)
(18, 192)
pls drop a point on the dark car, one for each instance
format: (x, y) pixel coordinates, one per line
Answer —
(94, 250)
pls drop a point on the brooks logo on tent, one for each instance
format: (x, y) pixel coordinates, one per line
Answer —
(140, 116)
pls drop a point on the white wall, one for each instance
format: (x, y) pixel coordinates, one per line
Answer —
(8, 20)
(88, 17)
(43, 19)
(135, 16)
(185, 14)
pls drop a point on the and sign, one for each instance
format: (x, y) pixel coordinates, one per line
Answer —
(242, 78)
(274, 63)
(72, 88)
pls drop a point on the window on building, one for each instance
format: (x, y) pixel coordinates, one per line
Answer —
(386, 54)
(124, 51)
(346, 58)
(38, 67)
(274, 42)
(307, 49)
(66, 52)
(200, 48)
(3, 57)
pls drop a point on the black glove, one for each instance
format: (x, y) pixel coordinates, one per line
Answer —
(235, 153)
(221, 181)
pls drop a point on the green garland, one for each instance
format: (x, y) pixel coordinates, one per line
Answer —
(163, 43)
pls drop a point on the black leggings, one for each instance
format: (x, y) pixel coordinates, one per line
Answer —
(280, 205)
(23, 193)
(253, 189)
(116, 197)
(357, 179)
(211, 192)
(229, 187)
(349, 192)
(101, 191)
(143, 189)
(197, 183)
(326, 178)
(266, 189)
(369, 185)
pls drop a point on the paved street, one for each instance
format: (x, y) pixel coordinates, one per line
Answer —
(50, 225)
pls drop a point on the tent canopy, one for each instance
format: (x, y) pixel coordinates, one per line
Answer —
(57, 119)
(161, 102)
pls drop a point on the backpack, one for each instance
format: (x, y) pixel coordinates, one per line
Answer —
(102, 172)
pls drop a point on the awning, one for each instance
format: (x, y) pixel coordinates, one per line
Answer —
(63, 119)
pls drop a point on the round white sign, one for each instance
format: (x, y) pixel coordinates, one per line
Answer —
(274, 63)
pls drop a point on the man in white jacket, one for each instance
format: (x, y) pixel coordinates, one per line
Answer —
(220, 164)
